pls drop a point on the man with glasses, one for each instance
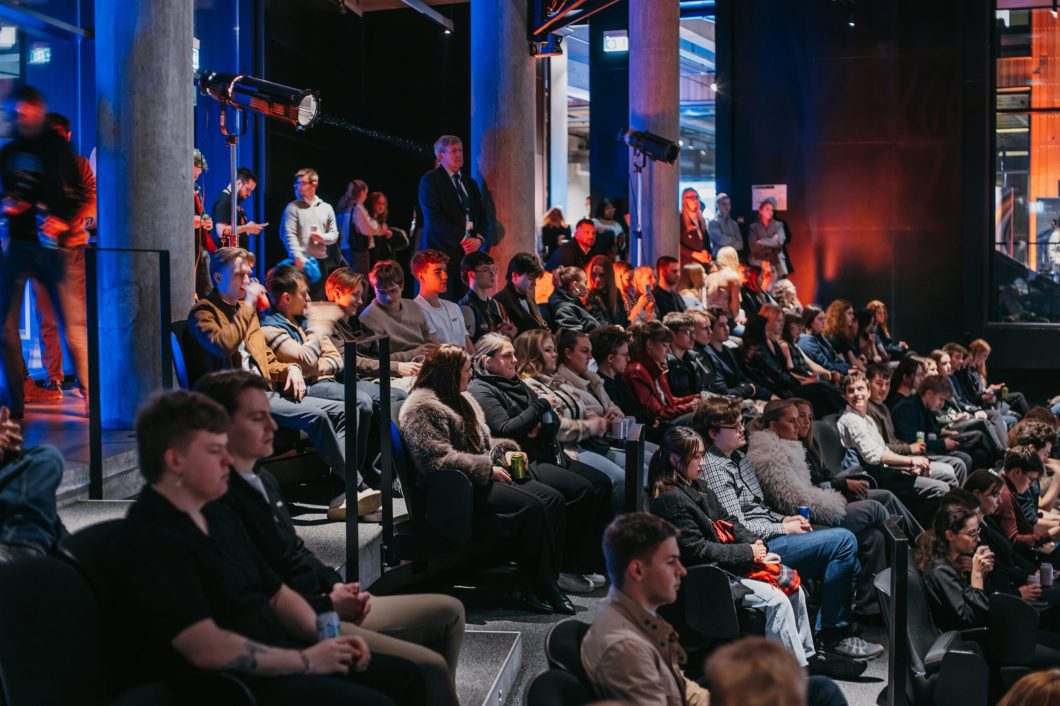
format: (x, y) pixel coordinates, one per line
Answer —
(830, 555)
(309, 227)
(481, 311)
(400, 319)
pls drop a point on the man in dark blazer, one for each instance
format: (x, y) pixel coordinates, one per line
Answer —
(454, 219)
(575, 252)
(517, 297)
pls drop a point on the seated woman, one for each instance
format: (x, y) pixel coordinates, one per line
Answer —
(784, 292)
(779, 462)
(840, 328)
(568, 311)
(709, 535)
(868, 346)
(695, 290)
(803, 365)
(814, 344)
(896, 350)
(444, 427)
(764, 362)
(604, 301)
(196, 595)
(516, 412)
(641, 304)
(958, 577)
(646, 378)
(582, 432)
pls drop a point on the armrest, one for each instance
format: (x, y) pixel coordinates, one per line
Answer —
(709, 606)
(962, 680)
(944, 643)
(448, 505)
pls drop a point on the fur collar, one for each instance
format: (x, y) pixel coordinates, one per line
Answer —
(785, 479)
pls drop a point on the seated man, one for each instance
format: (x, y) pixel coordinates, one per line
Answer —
(401, 319)
(916, 414)
(29, 521)
(482, 313)
(193, 593)
(225, 333)
(519, 295)
(826, 554)
(730, 378)
(445, 319)
(684, 367)
(425, 629)
(667, 299)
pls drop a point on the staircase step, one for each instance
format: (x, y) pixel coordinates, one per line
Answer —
(489, 663)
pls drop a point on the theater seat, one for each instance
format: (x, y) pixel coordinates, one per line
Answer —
(177, 331)
(555, 687)
(563, 646)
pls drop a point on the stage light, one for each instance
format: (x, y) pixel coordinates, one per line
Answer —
(298, 107)
(651, 145)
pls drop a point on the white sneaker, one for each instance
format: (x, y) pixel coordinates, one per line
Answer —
(597, 580)
(856, 648)
(575, 583)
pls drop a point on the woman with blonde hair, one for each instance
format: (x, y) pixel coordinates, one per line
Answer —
(783, 290)
(723, 286)
(695, 277)
(643, 308)
(695, 245)
(553, 232)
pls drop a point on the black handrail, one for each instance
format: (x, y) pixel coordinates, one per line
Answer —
(95, 422)
(898, 657)
(635, 468)
(386, 453)
(353, 567)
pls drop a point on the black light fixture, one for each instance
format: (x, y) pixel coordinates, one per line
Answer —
(652, 146)
(297, 107)
(551, 45)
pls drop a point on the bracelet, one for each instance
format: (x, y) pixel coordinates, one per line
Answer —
(305, 661)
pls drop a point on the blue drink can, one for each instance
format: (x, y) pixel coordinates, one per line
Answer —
(327, 625)
(804, 510)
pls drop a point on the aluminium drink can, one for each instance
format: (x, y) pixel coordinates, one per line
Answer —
(804, 510)
(327, 625)
(518, 467)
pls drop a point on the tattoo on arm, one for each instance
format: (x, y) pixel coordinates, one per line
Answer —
(247, 663)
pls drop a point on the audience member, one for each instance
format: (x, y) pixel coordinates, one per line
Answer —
(518, 297)
(783, 290)
(767, 240)
(309, 227)
(723, 285)
(841, 331)
(866, 347)
(401, 319)
(553, 232)
(195, 594)
(246, 182)
(641, 304)
(1036, 689)
(755, 672)
(29, 519)
(426, 629)
(723, 230)
(225, 334)
(445, 427)
(445, 320)
(1009, 402)
(686, 372)
(1038, 507)
(1022, 467)
(576, 252)
(203, 227)
(802, 364)
(603, 299)
(695, 242)
(896, 350)
(454, 219)
(610, 235)
(481, 311)
(629, 652)
(568, 311)
(816, 345)
(667, 298)
(646, 377)
(731, 380)
(916, 414)
(361, 235)
(907, 377)
(611, 353)
(828, 554)
(694, 278)
(965, 418)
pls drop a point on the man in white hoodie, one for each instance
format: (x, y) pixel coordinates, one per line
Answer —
(309, 227)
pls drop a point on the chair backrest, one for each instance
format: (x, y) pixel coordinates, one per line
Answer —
(53, 651)
(177, 331)
(89, 548)
(556, 687)
(709, 607)
(563, 647)
(826, 434)
(406, 473)
(1011, 621)
(920, 626)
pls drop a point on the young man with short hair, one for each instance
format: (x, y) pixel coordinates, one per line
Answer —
(611, 353)
(444, 318)
(518, 297)
(481, 311)
(309, 227)
(401, 319)
(918, 413)
(426, 629)
(665, 292)
(684, 368)
(1023, 466)
(246, 182)
(575, 252)
(225, 333)
(730, 378)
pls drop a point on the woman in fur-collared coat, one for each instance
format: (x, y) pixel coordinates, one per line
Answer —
(779, 460)
(443, 427)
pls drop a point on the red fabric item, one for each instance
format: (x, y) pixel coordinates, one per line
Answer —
(647, 379)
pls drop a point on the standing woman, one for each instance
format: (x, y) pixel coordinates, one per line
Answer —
(695, 243)
(444, 427)
(723, 286)
(378, 209)
(604, 301)
(358, 229)
(766, 239)
(610, 235)
(554, 231)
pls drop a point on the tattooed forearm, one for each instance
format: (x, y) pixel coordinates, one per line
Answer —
(247, 663)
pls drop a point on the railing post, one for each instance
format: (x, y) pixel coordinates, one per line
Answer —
(164, 323)
(898, 659)
(353, 568)
(634, 469)
(385, 452)
(95, 423)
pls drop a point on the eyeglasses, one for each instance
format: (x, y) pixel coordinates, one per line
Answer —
(737, 427)
(492, 270)
(971, 533)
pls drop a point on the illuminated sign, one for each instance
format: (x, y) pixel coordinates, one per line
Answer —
(616, 40)
(39, 54)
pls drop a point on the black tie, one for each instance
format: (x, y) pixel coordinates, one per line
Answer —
(460, 193)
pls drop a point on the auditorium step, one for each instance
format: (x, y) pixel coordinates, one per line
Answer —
(489, 664)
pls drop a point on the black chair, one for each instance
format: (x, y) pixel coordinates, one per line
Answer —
(177, 331)
(829, 443)
(943, 668)
(563, 645)
(556, 687)
(88, 549)
(1013, 625)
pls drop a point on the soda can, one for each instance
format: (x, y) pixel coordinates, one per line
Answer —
(1047, 575)
(1004, 391)
(327, 625)
(1034, 579)
(618, 428)
(920, 437)
(518, 467)
(804, 510)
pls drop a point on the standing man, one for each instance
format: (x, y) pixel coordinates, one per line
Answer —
(203, 225)
(309, 227)
(723, 230)
(42, 196)
(454, 219)
(221, 234)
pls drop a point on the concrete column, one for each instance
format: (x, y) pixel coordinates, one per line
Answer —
(557, 134)
(654, 35)
(145, 99)
(502, 123)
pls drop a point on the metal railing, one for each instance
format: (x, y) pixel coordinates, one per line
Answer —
(95, 421)
(897, 629)
(635, 476)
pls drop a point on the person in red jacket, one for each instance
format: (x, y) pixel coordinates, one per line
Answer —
(646, 377)
(1022, 467)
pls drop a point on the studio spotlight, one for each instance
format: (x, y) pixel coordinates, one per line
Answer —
(652, 146)
(298, 107)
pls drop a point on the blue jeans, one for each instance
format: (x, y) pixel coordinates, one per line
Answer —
(832, 555)
(28, 515)
(613, 465)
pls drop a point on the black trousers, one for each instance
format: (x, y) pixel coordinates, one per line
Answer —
(587, 493)
(387, 681)
(531, 517)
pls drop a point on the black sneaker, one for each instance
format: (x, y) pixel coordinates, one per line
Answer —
(828, 664)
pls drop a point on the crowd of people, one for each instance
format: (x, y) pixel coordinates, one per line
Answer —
(518, 382)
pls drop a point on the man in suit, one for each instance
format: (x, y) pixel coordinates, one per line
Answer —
(730, 378)
(454, 219)
(518, 295)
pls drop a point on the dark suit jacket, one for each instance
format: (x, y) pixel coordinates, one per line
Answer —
(511, 300)
(910, 416)
(570, 254)
(273, 535)
(667, 301)
(730, 378)
(444, 217)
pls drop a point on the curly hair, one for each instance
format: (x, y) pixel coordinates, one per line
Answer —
(835, 322)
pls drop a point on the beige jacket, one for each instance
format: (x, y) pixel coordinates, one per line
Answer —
(632, 655)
